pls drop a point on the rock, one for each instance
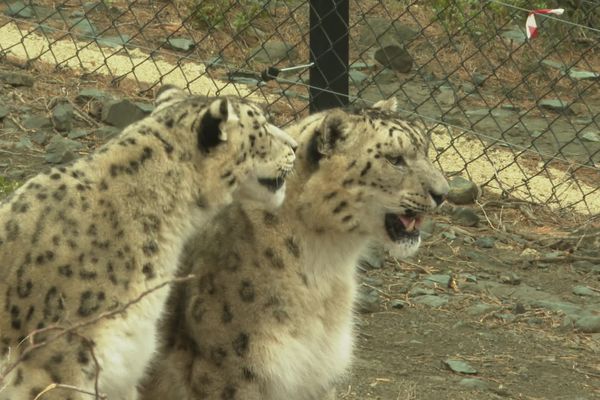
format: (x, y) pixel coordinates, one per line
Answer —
(481, 309)
(485, 242)
(584, 291)
(61, 150)
(470, 278)
(474, 383)
(519, 309)
(421, 291)
(516, 35)
(591, 136)
(37, 122)
(556, 105)
(88, 94)
(180, 44)
(462, 191)
(24, 143)
(146, 108)
(84, 27)
(589, 324)
(510, 279)
(449, 235)
(583, 75)
(121, 113)
(459, 366)
(78, 133)
(272, 52)
(39, 137)
(431, 301)
(446, 96)
(62, 117)
(374, 258)
(465, 217)
(440, 279)
(358, 78)
(114, 41)
(379, 31)
(385, 76)
(478, 79)
(398, 304)
(19, 9)
(16, 78)
(3, 111)
(105, 133)
(394, 57)
(368, 300)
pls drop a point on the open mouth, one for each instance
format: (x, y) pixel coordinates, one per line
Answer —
(403, 226)
(272, 184)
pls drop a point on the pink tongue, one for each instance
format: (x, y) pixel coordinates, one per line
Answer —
(406, 220)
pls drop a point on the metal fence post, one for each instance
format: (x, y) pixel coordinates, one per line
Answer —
(329, 49)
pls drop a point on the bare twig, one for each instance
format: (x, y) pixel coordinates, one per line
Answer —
(82, 324)
(53, 386)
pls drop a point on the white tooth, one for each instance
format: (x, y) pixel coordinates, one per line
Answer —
(411, 226)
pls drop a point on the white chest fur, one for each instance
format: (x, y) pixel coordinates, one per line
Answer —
(308, 357)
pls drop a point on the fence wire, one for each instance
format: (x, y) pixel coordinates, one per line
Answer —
(519, 117)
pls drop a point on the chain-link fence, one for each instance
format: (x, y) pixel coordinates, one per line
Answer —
(518, 116)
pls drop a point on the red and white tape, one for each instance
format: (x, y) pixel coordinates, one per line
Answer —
(531, 26)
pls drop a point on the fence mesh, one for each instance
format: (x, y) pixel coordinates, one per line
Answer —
(519, 117)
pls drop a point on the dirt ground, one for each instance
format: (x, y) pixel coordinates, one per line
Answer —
(499, 296)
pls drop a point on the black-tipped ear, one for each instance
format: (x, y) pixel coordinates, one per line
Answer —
(209, 129)
(324, 140)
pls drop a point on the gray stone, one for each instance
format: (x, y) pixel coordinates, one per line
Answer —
(121, 113)
(554, 64)
(446, 97)
(358, 78)
(398, 304)
(470, 278)
(510, 279)
(459, 366)
(449, 235)
(421, 291)
(180, 44)
(361, 65)
(584, 291)
(78, 133)
(380, 31)
(62, 117)
(105, 133)
(88, 94)
(114, 41)
(474, 383)
(272, 52)
(61, 150)
(394, 57)
(583, 75)
(3, 111)
(84, 27)
(556, 105)
(385, 76)
(478, 79)
(368, 301)
(591, 136)
(431, 301)
(19, 9)
(588, 324)
(465, 217)
(24, 143)
(39, 137)
(16, 78)
(440, 279)
(37, 122)
(516, 35)
(147, 108)
(462, 191)
(485, 242)
(481, 309)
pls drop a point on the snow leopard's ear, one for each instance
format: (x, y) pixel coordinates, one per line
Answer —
(326, 137)
(210, 128)
(166, 93)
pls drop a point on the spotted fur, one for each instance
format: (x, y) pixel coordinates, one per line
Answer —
(269, 316)
(88, 238)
